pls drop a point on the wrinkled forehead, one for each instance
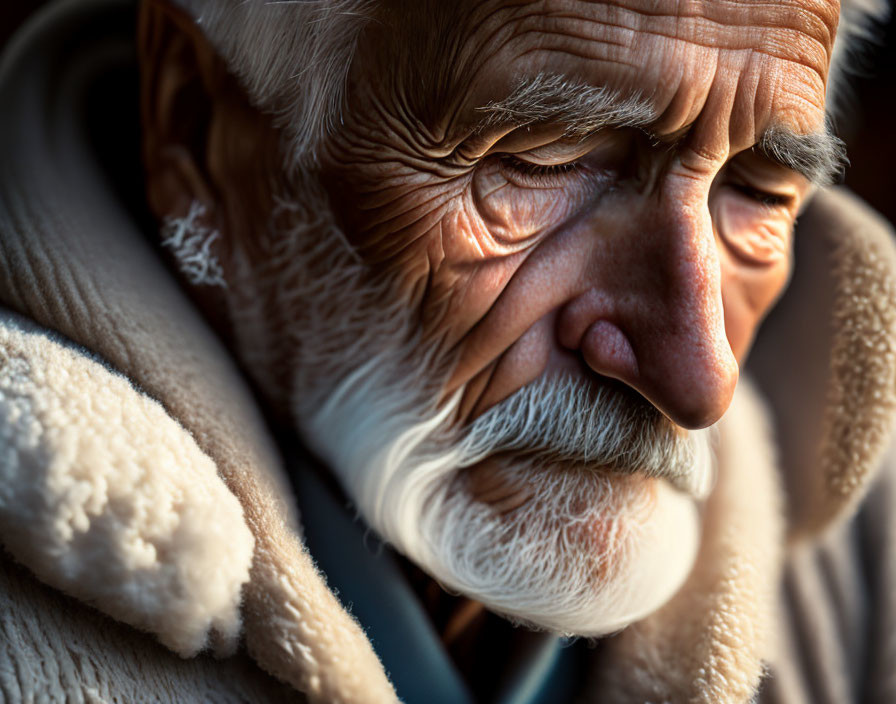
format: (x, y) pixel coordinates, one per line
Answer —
(749, 63)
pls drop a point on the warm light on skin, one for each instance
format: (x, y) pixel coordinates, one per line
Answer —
(645, 250)
(641, 240)
(495, 250)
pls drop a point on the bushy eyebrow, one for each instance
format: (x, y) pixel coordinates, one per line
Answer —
(583, 109)
(820, 157)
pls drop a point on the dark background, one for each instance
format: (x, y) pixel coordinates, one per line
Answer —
(868, 125)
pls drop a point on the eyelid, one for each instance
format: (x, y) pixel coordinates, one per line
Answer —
(761, 185)
(562, 151)
(755, 237)
(757, 171)
(761, 196)
(529, 175)
(521, 139)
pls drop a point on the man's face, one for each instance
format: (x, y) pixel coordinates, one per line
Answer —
(578, 201)
(557, 226)
(573, 185)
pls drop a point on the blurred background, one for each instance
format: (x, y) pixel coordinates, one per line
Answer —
(867, 126)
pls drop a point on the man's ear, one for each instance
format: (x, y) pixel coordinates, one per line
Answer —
(203, 142)
(179, 75)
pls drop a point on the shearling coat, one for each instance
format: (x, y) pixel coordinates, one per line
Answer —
(151, 546)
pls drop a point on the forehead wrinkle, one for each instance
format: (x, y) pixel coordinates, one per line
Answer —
(818, 22)
(798, 32)
(784, 30)
(504, 24)
(606, 43)
(772, 13)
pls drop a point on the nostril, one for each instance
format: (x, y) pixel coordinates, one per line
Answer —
(693, 418)
(608, 351)
(676, 356)
(576, 317)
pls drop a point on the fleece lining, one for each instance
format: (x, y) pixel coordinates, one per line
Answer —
(73, 260)
(56, 650)
(106, 497)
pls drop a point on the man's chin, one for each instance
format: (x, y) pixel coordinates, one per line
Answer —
(576, 550)
(660, 552)
(586, 555)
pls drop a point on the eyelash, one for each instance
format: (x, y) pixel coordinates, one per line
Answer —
(768, 200)
(539, 170)
(546, 171)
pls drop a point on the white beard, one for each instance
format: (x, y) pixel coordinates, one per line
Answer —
(588, 551)
(596, 544)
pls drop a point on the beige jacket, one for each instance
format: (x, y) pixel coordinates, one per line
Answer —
(151, 549)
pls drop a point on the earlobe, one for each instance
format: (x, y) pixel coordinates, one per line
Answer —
(176, 182)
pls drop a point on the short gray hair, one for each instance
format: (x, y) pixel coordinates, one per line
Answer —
(293, 56)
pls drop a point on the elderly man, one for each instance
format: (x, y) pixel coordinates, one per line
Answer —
(491, 270)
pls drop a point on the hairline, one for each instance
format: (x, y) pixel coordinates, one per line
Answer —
(328, 48)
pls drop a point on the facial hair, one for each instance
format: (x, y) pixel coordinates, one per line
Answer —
(597, 543)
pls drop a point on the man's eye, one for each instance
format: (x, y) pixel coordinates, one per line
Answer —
(769, 200)
(534, 169)
(527, 173)
(517, 200)
(756, 225)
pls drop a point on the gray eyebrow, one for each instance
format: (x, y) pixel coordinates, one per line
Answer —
(583, 109)
(820, 156)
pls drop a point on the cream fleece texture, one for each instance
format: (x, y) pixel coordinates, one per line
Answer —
(105, 496)
(55, 650)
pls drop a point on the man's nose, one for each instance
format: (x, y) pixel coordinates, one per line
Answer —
(651, 315)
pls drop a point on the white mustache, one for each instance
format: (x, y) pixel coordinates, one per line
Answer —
(600, 427)
(364, 394)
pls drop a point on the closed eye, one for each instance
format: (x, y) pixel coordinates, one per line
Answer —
(770, 200)
(528, 174)
(538, 170)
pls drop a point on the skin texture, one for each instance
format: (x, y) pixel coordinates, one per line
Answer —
(647, 255)
(655, 258)
(651, 260)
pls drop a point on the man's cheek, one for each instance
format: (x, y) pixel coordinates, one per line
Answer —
(471, 275)
(453, 245)
(748, 293)
(485, 237)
